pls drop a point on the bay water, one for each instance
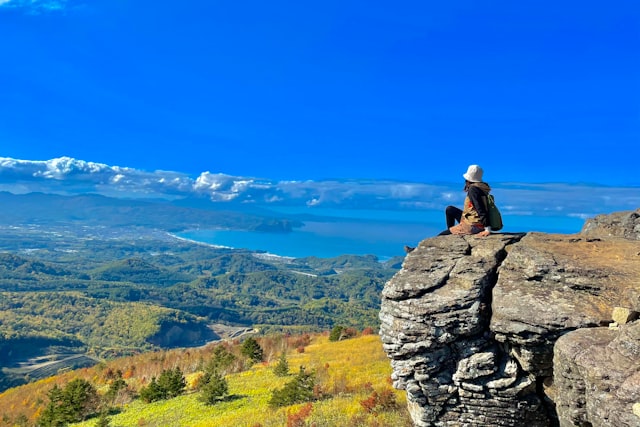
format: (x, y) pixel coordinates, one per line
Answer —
(333, 232)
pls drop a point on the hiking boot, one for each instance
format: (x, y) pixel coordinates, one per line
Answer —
(408, 249)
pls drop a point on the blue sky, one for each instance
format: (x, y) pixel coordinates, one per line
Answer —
(534, 92)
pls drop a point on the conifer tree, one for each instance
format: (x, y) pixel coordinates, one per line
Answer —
(80, 399)
(336, 333)
(115, 387)
(172, 383)
(220, 360)
(73, 403)
(298, 390)
(215, 389)
(282, 368)
(252, 350)
(152, 392)
(54, 414)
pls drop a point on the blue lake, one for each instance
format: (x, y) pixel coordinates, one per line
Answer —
(362, 232)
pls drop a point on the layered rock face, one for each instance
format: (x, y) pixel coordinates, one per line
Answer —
(470, 325)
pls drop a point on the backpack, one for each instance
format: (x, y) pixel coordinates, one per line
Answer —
(495, 217)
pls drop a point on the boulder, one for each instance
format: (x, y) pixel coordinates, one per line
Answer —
(624, 224)
(551, 284)
(435, 317)
(470, 325)
(598, 371)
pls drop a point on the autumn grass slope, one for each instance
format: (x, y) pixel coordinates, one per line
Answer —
(352, 388)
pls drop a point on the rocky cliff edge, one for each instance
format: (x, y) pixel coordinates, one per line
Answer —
(519, 329)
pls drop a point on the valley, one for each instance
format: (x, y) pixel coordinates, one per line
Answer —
(76, 288)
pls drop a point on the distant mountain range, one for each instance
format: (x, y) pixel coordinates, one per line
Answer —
(96, 210)
(68, 176)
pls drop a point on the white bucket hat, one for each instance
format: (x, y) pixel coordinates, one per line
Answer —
(474, 174)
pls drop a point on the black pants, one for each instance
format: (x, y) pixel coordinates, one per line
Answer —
(452, 214)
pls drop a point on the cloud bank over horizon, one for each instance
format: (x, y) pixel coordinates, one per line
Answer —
(69, 176)
(35, 6)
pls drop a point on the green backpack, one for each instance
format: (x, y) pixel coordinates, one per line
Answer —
(495, 217)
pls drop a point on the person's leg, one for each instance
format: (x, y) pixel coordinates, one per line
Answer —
(453, 214)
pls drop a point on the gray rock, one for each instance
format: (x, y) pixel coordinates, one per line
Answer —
(435, 317)
(552, 284)
(620, 224)
(470, 325)
(598, 371)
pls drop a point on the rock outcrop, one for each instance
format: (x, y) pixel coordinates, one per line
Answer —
(597, 374)
(513, 329)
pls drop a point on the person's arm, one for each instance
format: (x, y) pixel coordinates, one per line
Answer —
(478, 200)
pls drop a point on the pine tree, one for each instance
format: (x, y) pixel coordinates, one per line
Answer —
(251, 349)
(53, 414)
(220, 360)
(282, 368)
(115, 386)
(80, 399)
(336, 333)
(153, 392)
(215, 389)
(298, 390)
(73, 403)
(172, 383)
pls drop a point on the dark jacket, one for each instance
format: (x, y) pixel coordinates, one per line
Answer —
(475, 205)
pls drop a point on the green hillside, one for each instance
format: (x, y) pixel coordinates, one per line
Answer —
(348, 384)
(89, 276)
(64, 295)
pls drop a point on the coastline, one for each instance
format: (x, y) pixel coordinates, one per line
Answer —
(197, 242)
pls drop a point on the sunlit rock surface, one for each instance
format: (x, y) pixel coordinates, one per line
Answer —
(470, 326)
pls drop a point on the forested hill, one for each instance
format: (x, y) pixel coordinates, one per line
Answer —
(97, 210)
(101, 288)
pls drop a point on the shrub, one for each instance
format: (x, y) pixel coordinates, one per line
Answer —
(297, 419)
(74, 403)
(298, 390)
(336, 333)
(252, 350)
(377, 402)
(339, 333)
(221, 359)
(171, 383)
(153, 392)
(282, 368)
(103, 420)
(349, 333)
(299, 341)
(214, 389)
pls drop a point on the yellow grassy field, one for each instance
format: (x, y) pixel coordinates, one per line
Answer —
(347, 372)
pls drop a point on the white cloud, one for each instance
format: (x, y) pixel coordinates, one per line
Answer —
(212, 182)
(35, 6)
(66, 175)
(117, 178)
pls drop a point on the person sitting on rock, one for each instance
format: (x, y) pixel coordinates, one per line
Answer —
(474, 217)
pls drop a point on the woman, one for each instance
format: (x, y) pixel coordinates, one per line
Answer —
(473, 218)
